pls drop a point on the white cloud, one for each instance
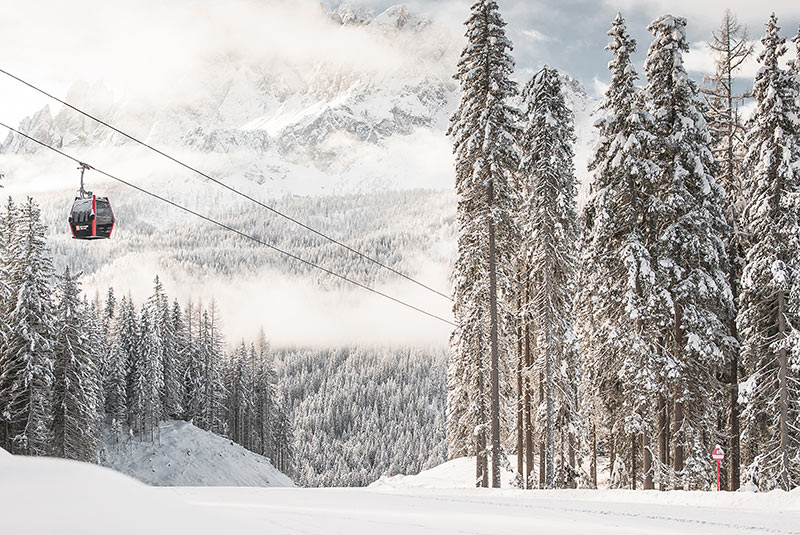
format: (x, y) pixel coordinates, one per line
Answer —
(535, 35)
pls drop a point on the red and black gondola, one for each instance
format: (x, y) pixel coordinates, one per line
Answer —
(91, 217)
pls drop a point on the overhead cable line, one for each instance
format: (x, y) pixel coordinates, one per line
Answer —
(226, 186)
(231, 229)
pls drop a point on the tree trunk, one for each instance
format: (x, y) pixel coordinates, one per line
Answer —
(493, 333)
(647, 462)
(482, 479)
(662, 438)
(678, 405)
(550, 389)
(520, 402)
(612, 455)
(593, 469)
(783, 393)
(634, 447)
(528, 420)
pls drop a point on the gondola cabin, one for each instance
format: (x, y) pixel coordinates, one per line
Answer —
(91, 218)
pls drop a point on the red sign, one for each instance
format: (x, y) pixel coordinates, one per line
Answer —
(718, 454)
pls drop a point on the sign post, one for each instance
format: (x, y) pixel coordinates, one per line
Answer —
(718, 455)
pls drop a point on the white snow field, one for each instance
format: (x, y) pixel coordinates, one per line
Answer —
(184, 455)
(40, 496)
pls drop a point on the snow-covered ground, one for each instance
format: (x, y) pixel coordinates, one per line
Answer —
(44, 496)
(184, 455)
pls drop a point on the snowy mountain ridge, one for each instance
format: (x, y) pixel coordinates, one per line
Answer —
(355, 116)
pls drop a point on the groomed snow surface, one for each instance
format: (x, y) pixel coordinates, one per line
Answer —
(50, 496)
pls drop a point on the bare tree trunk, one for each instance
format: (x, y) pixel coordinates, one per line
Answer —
(634, 447)
(679, 417)
(542, 468)
(528, 420)
(520, 402)
(612, 455)
(495, 369)
(647, 461)
(783, 393)
(662, 437)
(593, 469)
(550, 419)
(573, 472)
(482, 475)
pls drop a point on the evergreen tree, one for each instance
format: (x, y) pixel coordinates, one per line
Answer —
(121, 355)
(731, 47)
(148, 379)
(240, 396)
(621, 378)
(75, 390)
(550, 227)
(689, 252)
(264, 391)
(484, 136)
(767, 320)
(26, 360)
(6, 233)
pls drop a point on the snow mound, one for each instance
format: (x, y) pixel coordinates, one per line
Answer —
(184, 455)
(455, 474)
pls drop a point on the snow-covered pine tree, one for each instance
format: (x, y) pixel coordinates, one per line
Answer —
(620, 379)
(194, 374)
(731, 47)
(768, 321)
(264, 390)
(6, 232)
(240, 405)
(26, 365)
(548, 230)
(121, 355)
(484, 135)
(161, 322)
(283, 437)
(181, 353)
(75, 389)
(148, 374)
(690, 256)
(212, 387)
(99, 349)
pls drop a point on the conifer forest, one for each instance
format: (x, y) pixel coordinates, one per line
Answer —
(663, 319)
(607, 331)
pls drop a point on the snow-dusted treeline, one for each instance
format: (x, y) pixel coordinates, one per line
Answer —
(69, 366)
(361, 413)
(679, 316)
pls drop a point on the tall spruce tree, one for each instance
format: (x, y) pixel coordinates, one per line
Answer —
(75, 391)
(690, 256)
(731, 46)
(7, 226)
(621, 378)
(768, 320)
(26, 361)
(484, 134)
(549, 228)
(148, 379)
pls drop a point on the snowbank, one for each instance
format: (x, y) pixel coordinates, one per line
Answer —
(457, 476)
(44, 496)
(184, 455)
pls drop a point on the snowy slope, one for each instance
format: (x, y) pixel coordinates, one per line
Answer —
(186, 455)
(45, 496)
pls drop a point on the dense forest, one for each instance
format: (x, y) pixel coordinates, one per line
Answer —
(662, 321)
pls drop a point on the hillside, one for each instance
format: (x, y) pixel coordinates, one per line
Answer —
(184, 455)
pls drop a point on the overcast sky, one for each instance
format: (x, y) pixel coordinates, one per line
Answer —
(147, 44)
(571, 34)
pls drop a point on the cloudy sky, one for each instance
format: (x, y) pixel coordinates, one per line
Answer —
(571, 34)
(147, 44)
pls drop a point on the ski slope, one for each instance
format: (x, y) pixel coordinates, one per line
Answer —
(43, 496)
